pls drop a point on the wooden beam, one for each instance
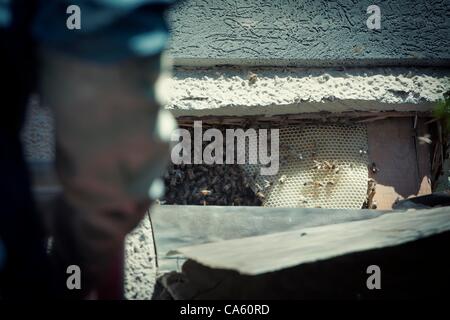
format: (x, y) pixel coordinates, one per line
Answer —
(268, 253)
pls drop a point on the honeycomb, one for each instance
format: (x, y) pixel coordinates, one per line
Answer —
(321, 165)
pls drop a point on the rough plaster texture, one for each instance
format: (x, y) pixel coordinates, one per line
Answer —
(310, 32)
(228, 91)
(140, 270)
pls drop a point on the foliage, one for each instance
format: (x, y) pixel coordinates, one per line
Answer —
(442, 111)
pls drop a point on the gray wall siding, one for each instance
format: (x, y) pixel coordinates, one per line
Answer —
(310, 32)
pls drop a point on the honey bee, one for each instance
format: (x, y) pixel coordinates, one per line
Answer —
(317, 165)
(318, 184)
(425, 139)
(252, 78)
(245, 182)
(374, 205)
(328, 165)
(226, 187)
(302, 200)
(260, 195)
(282, 179)
(191, 174)
(215, 180)
(373, 168)
(205, 192)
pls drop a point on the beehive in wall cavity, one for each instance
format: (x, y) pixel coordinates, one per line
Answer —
(321, 165)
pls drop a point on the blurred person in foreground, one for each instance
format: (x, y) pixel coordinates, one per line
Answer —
(104, 83)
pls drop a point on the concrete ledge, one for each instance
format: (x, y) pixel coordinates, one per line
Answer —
(270, 91)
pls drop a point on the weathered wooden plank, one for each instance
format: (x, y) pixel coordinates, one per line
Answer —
(179, 226)
(416, 269)
(268, 253)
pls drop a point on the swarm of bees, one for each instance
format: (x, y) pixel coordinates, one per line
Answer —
(208, 185)
(202, 184)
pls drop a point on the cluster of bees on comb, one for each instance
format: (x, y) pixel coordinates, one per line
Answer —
(197, 184)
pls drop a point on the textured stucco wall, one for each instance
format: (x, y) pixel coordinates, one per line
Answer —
(140, 262)
(310, 32)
